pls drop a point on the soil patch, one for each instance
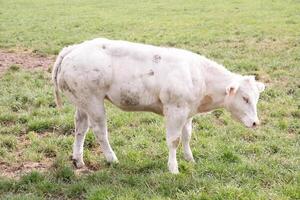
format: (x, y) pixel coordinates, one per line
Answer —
(16, 171)
(18, 168)
(25, 60)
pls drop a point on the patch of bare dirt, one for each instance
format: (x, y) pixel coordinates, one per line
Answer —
(24, 59)
(16, 171)
(18, 168)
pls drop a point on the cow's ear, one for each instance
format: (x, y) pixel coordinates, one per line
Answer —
(260, 86)
(232, 88)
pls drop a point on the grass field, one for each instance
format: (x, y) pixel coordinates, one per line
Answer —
(232, 162)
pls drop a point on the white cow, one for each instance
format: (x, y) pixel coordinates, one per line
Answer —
(175, 83)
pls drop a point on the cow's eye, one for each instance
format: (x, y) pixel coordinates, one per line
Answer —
(246, 99)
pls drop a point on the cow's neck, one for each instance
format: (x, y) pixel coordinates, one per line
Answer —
(217, 78)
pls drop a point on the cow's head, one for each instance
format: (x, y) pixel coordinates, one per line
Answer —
(241, 99)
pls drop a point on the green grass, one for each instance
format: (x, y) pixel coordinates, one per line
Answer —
(249, 37)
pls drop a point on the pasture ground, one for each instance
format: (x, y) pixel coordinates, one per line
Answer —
(232, 162)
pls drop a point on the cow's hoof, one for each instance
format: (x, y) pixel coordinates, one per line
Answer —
(112, 159)
(77, 163)
(189, 158)
(173, 169)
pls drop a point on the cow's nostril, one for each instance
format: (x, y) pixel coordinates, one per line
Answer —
(254, 124)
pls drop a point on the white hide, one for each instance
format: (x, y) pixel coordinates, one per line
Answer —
(171, 82)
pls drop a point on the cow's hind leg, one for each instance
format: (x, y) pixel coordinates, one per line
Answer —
(81, 128)
(97, 119)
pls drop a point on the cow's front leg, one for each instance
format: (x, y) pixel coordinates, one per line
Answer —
(98, 122)
(175, 120)
(186, 137)
(81, 127)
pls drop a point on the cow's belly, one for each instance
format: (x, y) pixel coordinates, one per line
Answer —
(135, 93)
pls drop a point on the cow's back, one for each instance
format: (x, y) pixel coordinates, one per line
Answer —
(132, 76)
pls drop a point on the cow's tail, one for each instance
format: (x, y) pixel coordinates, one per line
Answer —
(56, 70)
